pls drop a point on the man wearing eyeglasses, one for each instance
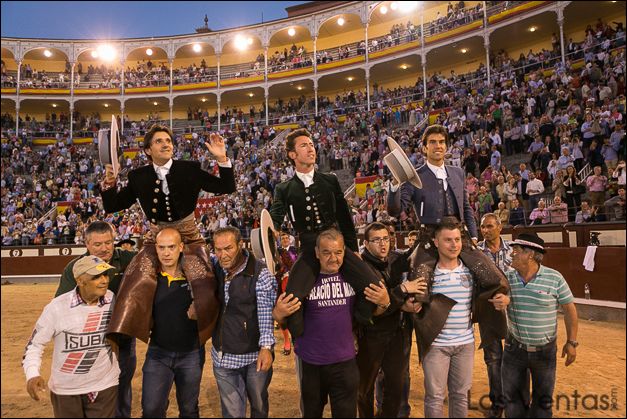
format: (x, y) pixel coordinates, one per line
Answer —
(381, 344)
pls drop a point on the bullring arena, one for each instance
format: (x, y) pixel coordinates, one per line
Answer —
(351, 72)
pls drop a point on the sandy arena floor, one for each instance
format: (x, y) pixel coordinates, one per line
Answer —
(597, 375)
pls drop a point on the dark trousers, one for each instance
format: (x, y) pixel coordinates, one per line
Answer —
(542, 365)
(127, 362)
(337, 382)
(305, 271)
(79, 406)
(405, 408)
(573, 201)
(493, 355)
(383, 351)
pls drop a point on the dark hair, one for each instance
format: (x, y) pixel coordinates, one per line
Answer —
(229, 230)
(290, 139)
(99, 227)
(448, 223)
(412, 233)
(376, 226)
(155, 128)
(435, 129)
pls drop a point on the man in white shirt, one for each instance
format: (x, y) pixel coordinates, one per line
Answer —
(535, 189)
(85, 371)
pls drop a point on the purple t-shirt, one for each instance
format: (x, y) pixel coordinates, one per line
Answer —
(328, 313)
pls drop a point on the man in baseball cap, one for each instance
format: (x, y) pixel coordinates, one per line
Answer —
(81, 313)
(90, 265)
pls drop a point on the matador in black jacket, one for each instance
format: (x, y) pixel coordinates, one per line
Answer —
(314, 202)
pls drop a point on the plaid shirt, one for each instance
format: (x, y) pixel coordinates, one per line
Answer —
(502, 258)
(266, 290)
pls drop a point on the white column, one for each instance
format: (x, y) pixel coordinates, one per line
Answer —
(171, 60)
(17, 118)
(171, 107)
(265, 64)
(17, 98)
(315, 55)
(316, 94)
(122, 119)
(72, 116)
(123, 79)
(368, 88)
(218, 56)
(219, 109)
(486, 44)
(367, 44)
(72, 64)
(424, 77)
(267, 95)
(560, 22)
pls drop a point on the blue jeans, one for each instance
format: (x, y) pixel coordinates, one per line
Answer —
(161, 369)
(236, 385)
(127, 361)
(541, 364)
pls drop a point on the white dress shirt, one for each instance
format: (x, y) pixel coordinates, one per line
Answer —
(162, 171)
(307, 178)
(440, 173)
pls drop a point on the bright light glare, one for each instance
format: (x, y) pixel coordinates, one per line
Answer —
(107, 52)
(47, 53)
(291, 31)
(149, 52)
(408, 6)
(196, 48)
(242, 43)
(341, 21)
(94, 54)
(384, 10)
(394, 5)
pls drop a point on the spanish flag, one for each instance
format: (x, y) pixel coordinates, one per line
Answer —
(361, 184)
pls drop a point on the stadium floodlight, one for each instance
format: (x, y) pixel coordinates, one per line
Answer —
(155, 103)
(394, 5)
(149, 52)
(242, 43)
(408, 6)
(383, 10)
(404, 66)
(197, 48)
(54, 105)
(291, 31)
(464, 50)
(47, 53)
(106, 105)
(533, 29)
(203, 100)
(300, 87)
(94, 54)
(350, 78)
(341, 21)
(251, 94)
(107, 52)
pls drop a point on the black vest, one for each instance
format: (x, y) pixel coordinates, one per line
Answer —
(237, 331)
(447, 200)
